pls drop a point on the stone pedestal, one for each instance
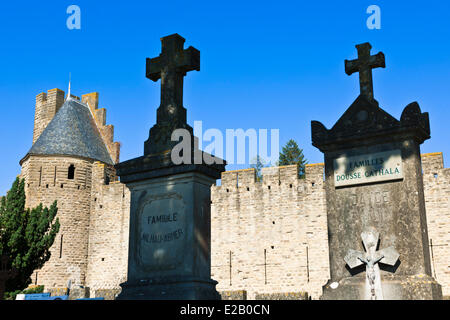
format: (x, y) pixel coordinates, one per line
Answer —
(418, 287)
(170, 214)
(170, 229)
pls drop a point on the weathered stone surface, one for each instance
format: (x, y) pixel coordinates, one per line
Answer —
(79, 293)
(107, 294)
(364, 65)
(270, 236)
(371, 259)
(236, 214)
(233, 295)
(171, 66)
(398, 212)
(93, 209)
(242, 222)
(436, 180)
(170, 219)
(282, 296)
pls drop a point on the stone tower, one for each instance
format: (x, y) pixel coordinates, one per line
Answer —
(72, 156)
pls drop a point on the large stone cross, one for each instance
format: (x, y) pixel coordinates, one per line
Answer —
(371, 258)
(171, 66)
(364, 65)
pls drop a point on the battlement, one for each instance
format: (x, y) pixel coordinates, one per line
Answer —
(270, 175)
(47, 105)
(107, 131)
(432, 162)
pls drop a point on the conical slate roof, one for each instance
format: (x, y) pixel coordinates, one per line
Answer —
(72, 132)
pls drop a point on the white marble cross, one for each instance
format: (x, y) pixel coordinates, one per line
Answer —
(371, 258)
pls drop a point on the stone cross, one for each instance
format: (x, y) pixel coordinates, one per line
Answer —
(371, 258)
(171, 66)
(364, 65)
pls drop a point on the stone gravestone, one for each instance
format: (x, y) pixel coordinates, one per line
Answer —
(170, 219)
(374, 182)
(6, 273)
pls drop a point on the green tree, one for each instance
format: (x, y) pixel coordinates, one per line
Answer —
(25, 235)
(292, 154)
(258, 163)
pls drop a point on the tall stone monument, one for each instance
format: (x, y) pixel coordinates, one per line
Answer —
(374, 195)
(170, 222)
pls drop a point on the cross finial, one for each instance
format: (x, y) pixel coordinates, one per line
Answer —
(364, 65)
(171, 66)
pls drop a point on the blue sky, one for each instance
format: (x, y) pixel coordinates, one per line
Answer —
(277, 64)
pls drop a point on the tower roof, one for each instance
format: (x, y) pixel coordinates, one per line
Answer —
(72, 132)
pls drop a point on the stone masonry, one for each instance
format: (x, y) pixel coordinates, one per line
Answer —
(436, 182)
(91, 247)
(271, 236)
(268, 238)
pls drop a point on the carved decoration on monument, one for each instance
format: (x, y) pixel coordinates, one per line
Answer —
(162, 220)
(371, 258)
(170, 66)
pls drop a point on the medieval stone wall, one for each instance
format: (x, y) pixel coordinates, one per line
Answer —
(47, 180)
(436, 180)
(270, 237)
(47, 105)
(93, 208)
(108, 233)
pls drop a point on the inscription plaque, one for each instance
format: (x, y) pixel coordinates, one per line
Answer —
(369, 168)
(162, 233)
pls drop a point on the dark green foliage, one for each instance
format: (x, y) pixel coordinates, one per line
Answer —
(25, 235)
(292, 154)
(12, 295)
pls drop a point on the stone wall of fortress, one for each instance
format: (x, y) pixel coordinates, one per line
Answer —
(91, 248)
(270, 236)
(436, 180)
(92, 245)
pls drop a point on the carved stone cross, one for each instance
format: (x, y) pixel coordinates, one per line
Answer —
(364, 65)
(171, 66)
(371, 258)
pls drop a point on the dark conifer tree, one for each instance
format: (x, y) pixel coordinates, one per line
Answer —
(25, 235)
(292, 154)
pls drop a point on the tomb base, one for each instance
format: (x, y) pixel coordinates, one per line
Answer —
(169, 255)
(170, 289)
(417, 287)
